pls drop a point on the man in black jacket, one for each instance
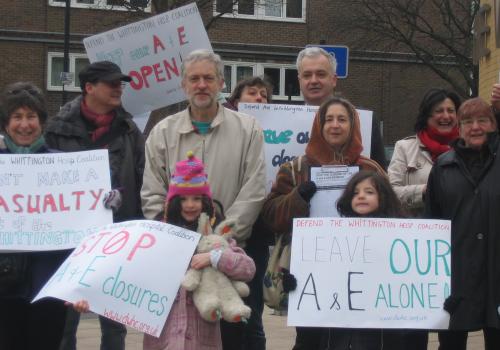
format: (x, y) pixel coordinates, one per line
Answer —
(317, 79)
(96, 120)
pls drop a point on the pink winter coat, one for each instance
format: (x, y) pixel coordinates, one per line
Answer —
(184, 328)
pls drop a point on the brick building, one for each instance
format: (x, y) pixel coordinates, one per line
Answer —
(253, 40)
(487, 46)
(32, 38)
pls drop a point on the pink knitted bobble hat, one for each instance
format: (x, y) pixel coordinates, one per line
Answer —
(189, 178)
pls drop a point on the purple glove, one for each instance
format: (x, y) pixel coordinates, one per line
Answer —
(112, 200)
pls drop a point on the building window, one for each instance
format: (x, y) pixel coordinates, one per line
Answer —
(234, 72)
(285, 81)
(77, 61)
(121, 5)
(246, 7)
(242, 7)
(273, 75)
(292, 87)
(273, 10)
(228, 86)
(283, 78)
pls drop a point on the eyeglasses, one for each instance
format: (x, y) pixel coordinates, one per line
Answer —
(481, 121)
(116, 83)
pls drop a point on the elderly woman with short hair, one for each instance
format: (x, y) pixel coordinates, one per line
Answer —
(464, 187)
(24, 325)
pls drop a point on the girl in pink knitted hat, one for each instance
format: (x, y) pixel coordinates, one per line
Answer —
(188, 196)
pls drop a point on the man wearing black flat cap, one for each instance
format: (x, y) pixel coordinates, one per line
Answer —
(97, 120)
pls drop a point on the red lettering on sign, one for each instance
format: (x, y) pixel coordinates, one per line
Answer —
(146, 240)
(116, 243)
(78, 194)
(19, 208)
(4, 204)
(182, 36)
(157, 43)
(158, 72)
(62, 207)
(34, 208)
(96, 197)
(49, 201)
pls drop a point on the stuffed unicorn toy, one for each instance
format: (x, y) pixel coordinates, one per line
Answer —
(214, 294)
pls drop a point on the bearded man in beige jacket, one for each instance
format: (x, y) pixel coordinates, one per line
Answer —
(230, 144)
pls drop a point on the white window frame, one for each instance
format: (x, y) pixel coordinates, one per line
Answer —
(234, 66)
(72, 60)
(97, 5)
(260, 13)
(282, 67)
(258, 70)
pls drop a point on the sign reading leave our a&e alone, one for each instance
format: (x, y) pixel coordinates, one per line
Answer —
(129, 272)
(49, 201)
(370, 273)
(151, 52)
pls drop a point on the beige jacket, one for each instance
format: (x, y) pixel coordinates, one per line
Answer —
(233, 154)
(408, 171)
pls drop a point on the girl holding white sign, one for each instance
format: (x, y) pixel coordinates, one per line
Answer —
(188, 197)
(367, 194)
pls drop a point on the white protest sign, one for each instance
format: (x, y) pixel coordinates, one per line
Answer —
(151, 52)
(129, 272)
(370, 273)
(48, 201)
(287, 129)
(330, 182)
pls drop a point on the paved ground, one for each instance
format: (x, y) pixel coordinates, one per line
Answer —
(279, 336)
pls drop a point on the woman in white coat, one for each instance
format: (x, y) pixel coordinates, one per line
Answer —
(413, 156)
(412, 160)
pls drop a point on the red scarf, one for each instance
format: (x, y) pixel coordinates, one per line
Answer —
(102, 122)
(437, 142)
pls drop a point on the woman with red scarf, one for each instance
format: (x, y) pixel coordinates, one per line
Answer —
(413, 157)
(412, 160)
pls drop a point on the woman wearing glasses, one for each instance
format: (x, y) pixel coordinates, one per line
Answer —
(23, 325)
(464, 187)
(413, 157)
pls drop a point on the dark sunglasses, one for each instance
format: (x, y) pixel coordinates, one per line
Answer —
(116, 83)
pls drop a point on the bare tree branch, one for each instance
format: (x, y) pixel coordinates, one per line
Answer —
(226, 7)
(437, 32)
(158, 6)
